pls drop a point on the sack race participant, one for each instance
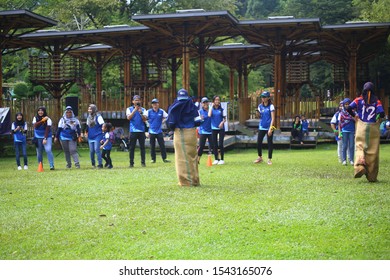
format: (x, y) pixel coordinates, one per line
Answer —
(181, 119)
(369, 110)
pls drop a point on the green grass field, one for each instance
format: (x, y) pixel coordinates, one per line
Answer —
(305, 206)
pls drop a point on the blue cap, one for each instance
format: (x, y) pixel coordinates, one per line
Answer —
(136, 97)
(182, 94)
(204, 99)
(368, 86)
(68, 108)
(265, 94)
(155, 100)
(346, 100)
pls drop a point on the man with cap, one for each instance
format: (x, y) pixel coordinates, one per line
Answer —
(68, 132)
(156, 116)
(334, 123)
(137, 117)
(369, 111)
(181, 118)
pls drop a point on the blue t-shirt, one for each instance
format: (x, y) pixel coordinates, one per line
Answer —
(305, 125)
(347, 122)
(265, 116)
(95, 132)
(155, 119)
(106, 136)
(136, 123)
(19, 136)
(39, 131)
(205, 125)
(216, 117)
(367, 112)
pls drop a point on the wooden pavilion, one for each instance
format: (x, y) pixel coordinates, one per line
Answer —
(168, 41)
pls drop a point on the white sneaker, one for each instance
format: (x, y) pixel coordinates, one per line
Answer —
(215, 162)
(25, 167)
(221, 162)
(351, 162)
(19, 167)
(344, 162)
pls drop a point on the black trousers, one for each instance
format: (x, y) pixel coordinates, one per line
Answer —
(260, 137)
(218, 142)
(106, 155)
(134, 136)
(202, 143)
(161, 143)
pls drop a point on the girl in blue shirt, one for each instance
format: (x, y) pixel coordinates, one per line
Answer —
(218, 119)
(106, 144)
(347, 133)
(19, 130)
(205, 131)
(266, 126)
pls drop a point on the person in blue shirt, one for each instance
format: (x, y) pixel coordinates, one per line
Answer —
(182, 115)
(68, 132)
(266, 126)
(205, 132)
(334, 123)
(305, 125)
(218, 119)
(19, 130)
(136, 114)
(106, 144)
(94, 130)
(347, 133)
(43, 136)
(156, 116)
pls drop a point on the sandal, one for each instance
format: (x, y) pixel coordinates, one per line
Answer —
(258, 160)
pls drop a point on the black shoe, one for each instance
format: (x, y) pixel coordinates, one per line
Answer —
(131, 166)
(166, 160)
(100, 166)
(52, 168)
(106, 165)
(110, 166)
(143, 164)
(153, 161)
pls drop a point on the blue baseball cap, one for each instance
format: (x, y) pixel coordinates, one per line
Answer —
(204, 99)
(182, 94)
(136, 97)
(265, 94)
(155, 100)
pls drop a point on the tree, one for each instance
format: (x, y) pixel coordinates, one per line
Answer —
(261, 9)
(21, 90)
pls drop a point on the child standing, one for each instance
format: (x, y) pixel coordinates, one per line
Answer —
(218, 119)
(19, 130)
(107, 144)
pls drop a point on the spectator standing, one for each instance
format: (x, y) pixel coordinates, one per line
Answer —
(334, 123)
(218, 119)
(205, 131)
(19, 130)
(43, 136)
(347, 132)
(136, 114)
(266, 126)
(106, 144)
(94, 130)
(68, 132)
(156, 116)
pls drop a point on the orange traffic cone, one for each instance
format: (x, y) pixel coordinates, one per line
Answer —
(40, 167)
(209, 160)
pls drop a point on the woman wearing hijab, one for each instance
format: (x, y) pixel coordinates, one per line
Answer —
(94, 130)
(68, 132)
(19, 130)
(43, 136)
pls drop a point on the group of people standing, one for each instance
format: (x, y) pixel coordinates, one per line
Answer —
(355, 126)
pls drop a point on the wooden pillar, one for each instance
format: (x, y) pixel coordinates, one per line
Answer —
(201, 68)
(186, 59)
(239, 82)
(127, 75)
(99, 68)
(57, 92)
(231, 84)
(174, 79)
(245, 73)
(352, 73)
(279, 78)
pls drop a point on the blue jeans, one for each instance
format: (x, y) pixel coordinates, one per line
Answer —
(47, 149)
(22, 145)
(348, 144)
(94, 148)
